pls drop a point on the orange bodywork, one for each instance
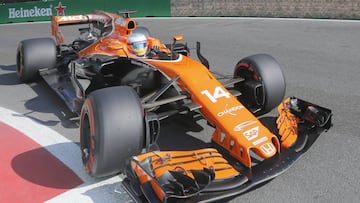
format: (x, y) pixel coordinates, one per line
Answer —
(236, 128)
(180, 161)
(287, 123)
(184, 161)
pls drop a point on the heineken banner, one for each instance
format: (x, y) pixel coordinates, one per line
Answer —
(42, 10)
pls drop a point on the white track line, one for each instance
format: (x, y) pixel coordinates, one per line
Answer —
(92, 190)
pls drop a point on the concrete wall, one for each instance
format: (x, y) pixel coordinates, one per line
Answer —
(341, 9)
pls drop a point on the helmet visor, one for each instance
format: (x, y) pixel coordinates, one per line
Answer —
(139, 48)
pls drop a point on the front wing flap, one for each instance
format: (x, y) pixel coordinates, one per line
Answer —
(207, 175)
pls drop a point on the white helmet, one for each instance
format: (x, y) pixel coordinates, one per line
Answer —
(138, 44)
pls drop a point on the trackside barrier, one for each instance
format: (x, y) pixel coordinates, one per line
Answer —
(325, 9)
(43, 9)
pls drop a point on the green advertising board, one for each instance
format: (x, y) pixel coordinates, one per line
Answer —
(42, 10)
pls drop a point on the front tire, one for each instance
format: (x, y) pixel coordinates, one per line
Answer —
(112, 129)
(32, 55)
(264, 86)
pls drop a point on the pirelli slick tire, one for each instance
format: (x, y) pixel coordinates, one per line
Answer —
(264, 86)
(32, 55)
(112, 129)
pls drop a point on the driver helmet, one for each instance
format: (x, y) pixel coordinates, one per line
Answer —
(138, 44)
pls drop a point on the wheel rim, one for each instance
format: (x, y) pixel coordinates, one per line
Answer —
(249, 73)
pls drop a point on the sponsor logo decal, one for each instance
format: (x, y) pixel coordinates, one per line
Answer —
(252, 133)
(242, 125)
(36, 11)
(230, 111)
(218, 93)
(60, 9)
(260, 140)
(267, 148)
(25, 13)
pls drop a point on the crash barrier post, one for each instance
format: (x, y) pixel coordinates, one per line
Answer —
(41, 10)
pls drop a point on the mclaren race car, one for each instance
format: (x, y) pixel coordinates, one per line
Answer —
(123, 83)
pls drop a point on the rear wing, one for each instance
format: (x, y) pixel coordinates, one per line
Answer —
(102, 20)
(105, 24)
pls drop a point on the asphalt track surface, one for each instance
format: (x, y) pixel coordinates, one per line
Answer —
(320, 60)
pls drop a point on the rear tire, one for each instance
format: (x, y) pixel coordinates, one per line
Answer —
(112, 129)
(32, 55)
(264, 86)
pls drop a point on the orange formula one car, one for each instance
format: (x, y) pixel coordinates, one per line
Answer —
(122, 83)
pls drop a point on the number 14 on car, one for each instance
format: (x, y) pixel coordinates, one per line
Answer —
(218, 93)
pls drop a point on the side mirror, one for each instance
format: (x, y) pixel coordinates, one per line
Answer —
(177, 38)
